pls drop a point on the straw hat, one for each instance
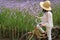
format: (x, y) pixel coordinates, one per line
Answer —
(45, 5)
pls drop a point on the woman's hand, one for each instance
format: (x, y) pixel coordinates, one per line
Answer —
(42, 25)
(38, 17)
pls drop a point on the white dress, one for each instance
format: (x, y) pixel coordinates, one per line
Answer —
(47, 19)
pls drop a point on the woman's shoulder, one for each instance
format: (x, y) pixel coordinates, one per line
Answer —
(50, 13)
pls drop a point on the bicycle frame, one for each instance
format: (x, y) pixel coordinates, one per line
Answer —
(37, 33)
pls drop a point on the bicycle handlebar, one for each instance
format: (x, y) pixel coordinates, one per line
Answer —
(36, 20)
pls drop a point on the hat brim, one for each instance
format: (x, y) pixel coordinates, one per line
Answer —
(41, 4)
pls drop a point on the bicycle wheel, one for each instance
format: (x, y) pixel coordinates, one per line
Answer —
(28, 36)
(55, 33)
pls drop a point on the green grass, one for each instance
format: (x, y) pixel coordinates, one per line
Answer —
(56, 15)
(13, 21)
(14, 18)
(23, 20)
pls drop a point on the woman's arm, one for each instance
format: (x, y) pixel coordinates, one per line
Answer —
(38, 17)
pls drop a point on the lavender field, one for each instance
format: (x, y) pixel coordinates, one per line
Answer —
(30, 5)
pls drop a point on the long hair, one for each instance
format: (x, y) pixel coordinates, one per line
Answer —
(45, 10)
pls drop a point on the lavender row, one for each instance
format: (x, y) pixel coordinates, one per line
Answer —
(30, 5)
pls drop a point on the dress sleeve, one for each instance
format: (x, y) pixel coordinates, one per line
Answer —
(47, 17)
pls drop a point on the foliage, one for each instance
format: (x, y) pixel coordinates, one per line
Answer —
(14, 18)
(56, 15)
(12, 21)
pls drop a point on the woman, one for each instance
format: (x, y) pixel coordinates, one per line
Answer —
(46, 19)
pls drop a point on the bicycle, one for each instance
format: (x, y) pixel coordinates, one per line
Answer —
(37, 35)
